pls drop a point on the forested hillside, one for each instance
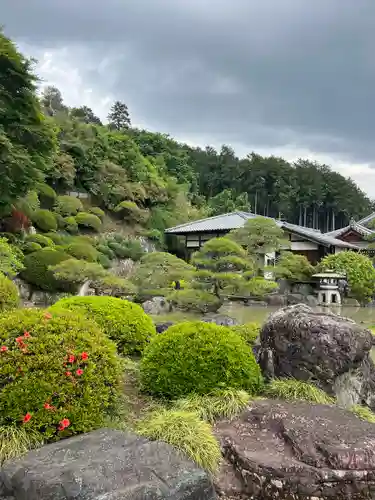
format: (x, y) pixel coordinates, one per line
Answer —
(143, 178)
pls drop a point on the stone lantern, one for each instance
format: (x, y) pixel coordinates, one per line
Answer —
(328, 287)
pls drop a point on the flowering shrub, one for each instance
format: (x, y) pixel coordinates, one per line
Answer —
(198, 357)
(124, 322)
(9, 298)
(59, 374)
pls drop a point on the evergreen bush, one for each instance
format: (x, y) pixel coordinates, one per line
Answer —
(47, 196)
(89, 221)
(97, 211)
(61, 224)
(44, 220)
(104, 249)
(249, 332)
(195, 300)
(59, 374)
(41, 239)
(82, 251)
(30, 247)
(71, 225)
(124, 322)
(57, 238)
(9, 297)
(37, 271)
(68, 205)
(198, 357)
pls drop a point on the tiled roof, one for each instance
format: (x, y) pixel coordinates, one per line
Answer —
(235, 220)
(367, 219)
(356, 226)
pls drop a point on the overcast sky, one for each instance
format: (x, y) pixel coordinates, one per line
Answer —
(287, 77)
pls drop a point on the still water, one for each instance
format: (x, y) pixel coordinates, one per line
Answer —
(245, 314)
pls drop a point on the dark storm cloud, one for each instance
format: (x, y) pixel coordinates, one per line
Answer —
(265, 74)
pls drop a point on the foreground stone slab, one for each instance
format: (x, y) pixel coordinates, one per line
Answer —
(297, 451)
(105, 465)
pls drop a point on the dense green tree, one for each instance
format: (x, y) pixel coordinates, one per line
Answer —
(118, 117)
(52, 101)
(292, 266)
(10, 259)
(85, 114)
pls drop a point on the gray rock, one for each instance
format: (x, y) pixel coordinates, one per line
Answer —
(220, 319)
(348, 301)
(331, 351)
(161, 327)
(302, 288)
(105, 465)
(157, 305)
(300, 451)
(276, 299)
(24, 289)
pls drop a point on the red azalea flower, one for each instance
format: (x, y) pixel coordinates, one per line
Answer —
(48, 315)
(26, 418)
(64, 424)
(26, 334)
(47, 406)
(19, 340)
(68, 374)
(71, 359)
(79, 372)
(84, 356)
(3, 348)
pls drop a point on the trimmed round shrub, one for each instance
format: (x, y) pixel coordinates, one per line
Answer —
(47, 195)
(106, 251)
(60, 220)
(124, 322)
(57, 238)
(195, 300)
(82, 251)
(89, 221)
(37, 271)
(71, 225)
(30, 247)
(9, 297)
(44, 220)
(59, 374)
(97, 211)
(68, 205)
(104, 261)
(249, 332)
(198, 357)
(41, 239)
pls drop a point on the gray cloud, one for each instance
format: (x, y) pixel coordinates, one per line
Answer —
(266, 74)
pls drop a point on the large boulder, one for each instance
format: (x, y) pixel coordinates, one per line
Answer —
(157, 305)
(105, 465)
(299, 451)
(331, 351)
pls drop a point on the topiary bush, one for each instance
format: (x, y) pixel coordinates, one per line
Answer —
(9, 297)
(186, 432)
(131, 212)
(37, 271)
(105, 250)
(89, 221)
(41, 239)
(71, 225)
(82, 251)
(249, 332)
(57, 238)
(59, 374)
(68, 205)
(47, 195)
(198, 357)
(61, 224)
(97, 211)
(124, 322)
(44, 220)
(30, 247)
(196, 300)
(104, 261)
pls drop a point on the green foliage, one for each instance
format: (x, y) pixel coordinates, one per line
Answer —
(61, 224)
(30, 247)
(221, 403)
(260, 235)
(68, 205)
(104, 261)
(39, 381)
(195, 300)
(259, 287)
(187, 433)
(118, 116)
(37, 270)
(159, 269)
(248, 331)
(124, 322)
(113, 286)
(71, 225)
(58, 239)
(82, 251)
(96, 211)
(227, 201)
(41, 239)
(104, 249)
(27, 141)
(16, 441)
(130, 212)
(10, 259)
(292, 266)
(88, 221)
(76, 271)
(198, 357)
(363, 413)
(47, 195)
(125, 248)
(9, 298)
(359, 270)
(28, 204)
(296, 390)
(221, 263)
(44, 220)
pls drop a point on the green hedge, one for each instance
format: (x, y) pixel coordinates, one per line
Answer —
(9, 297)
(198, 357)
(44, 220)
(37, 271)
(124, 322)
(89, 221)
(195, 300)
(82, 251)
(30, 247)
(97, 211)
(47, 195)
(53, 369)
(68, 205)
(71, 225)
(249, 332)
(41, 239)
